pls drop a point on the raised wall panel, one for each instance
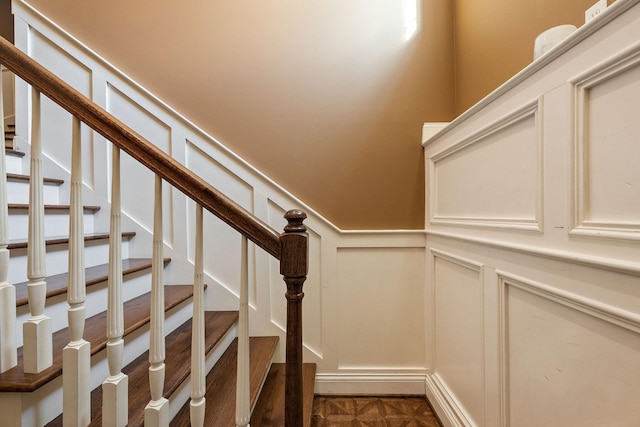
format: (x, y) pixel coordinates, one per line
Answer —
(459, 334)
(380, 308)
(312, 319)
(492, 178)
(56, 123)
(566, 361)
(608, 190)
(222, 251)
(137, 180)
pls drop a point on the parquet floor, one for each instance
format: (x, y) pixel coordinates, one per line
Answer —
(369, 411)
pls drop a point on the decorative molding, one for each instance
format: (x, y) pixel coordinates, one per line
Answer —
(463, 262)
(588, 306)
(436, 388)
(371, 383)
(533, 110)
(618, 64)
(616, 9)
(594, 308)
(445, 404)
(602, 263)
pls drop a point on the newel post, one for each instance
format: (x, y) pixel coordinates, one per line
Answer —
(294, 249)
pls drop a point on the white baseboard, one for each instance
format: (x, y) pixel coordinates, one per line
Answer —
(445, 404)
(363, 384)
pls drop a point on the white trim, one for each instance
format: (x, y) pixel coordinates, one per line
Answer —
(528, 110)
(602, 263)
(610, 13)
(582, 84)
(372, 384)
(614, 315)
(596, 309)
(447, 407)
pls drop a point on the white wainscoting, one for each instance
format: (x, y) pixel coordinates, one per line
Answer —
(533, 283)
(364, 298)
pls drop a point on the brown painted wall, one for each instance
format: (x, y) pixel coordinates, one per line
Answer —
(494, 40)
(6, 20)
(327, 97)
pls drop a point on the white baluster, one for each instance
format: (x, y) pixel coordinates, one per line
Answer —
(243, 410)
(156, 412)
(38, 351)
(76, 356)
(8, 354)
(198, 374)
(115, 410)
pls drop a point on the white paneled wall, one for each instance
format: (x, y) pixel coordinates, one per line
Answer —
(533, 283)
(364, 297)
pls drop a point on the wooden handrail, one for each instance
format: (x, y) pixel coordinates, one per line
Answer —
(139, 148)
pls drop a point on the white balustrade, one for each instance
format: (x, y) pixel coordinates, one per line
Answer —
(38, 351)
(157, 411)
(8, 353)
(198, 374)
(243, 408)
(76, 356)
(115, 410)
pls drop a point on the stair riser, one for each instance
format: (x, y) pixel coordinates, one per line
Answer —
(57, 259)
(57, 306)
(18, 192)
(56, 223)
(43, 405)
(14, 164)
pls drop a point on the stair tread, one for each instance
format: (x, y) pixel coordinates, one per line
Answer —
(136, 314)
(60, 240)
(221, 383)
(269, 411)
(12, 152)
(57, 284)
(178, 345)
(25, 206)
(25, 178)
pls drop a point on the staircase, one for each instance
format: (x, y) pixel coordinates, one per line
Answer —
(35, 399)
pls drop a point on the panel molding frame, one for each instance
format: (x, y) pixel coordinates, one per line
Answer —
(437, 390)
(593, 308)
(616, 65)
(531, 109)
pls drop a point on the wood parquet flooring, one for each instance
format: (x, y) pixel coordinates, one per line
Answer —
(370, 411)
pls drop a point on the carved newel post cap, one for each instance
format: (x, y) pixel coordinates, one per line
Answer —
(294, 219)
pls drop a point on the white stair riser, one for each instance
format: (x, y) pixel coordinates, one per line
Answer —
(14, 164)
(56, 307)
(57, 259)
(56, 223)
(18, 192)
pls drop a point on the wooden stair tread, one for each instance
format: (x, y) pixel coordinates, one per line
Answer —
(136, 314)
(269, 411)
(12, 152)
(24, 206)
(62, 240)
(25, 178)
(57, 285)
(221, 383)
(217, 324)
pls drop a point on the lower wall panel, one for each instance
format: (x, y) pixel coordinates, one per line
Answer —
(517, 343)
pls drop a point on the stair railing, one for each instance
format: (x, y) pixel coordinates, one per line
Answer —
(290, 248)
